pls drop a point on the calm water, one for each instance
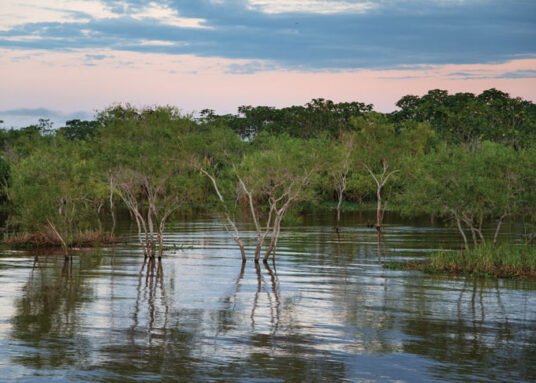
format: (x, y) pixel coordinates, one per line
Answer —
(326, 312)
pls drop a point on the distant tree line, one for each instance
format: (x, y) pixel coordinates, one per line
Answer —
(469, 159)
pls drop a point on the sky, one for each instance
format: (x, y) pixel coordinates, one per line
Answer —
(68, 59)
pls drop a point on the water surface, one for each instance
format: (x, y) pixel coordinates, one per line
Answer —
(326, 311)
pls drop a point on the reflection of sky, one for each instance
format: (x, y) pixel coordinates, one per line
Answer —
(65, 59)
(328, 302)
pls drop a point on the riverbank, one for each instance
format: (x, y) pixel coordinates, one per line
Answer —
(345, 206)
(504, 261)
(47, 239)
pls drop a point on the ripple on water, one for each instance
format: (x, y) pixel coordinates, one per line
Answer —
(325, 311)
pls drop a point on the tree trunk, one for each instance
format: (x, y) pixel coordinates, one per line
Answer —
(275, 236)
(496, 235)
(236, 236)
(338, 225)
(112, 212)
(340, 192)
(99, 222)
(379, 209)
(473, 234)
(460, 228)
(63, 243)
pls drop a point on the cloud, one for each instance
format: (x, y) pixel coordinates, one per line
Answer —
(167, 16)
(302, 35)
(96, 57)
(311, 6)
(250, 67)
(486, 74)
(529, 73)
(20, 117)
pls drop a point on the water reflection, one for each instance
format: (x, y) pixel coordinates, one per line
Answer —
(272, 297)
(325, 312)
(479, 341)
(48, 315)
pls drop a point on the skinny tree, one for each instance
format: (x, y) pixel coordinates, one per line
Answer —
(214, 154)
(381, 150)
(470, 186)
(146, 153)
(274, 177)
(339, 165)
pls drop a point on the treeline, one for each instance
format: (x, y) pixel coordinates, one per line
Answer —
(467, 158)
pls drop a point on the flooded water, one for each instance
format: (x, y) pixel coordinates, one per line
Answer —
(326, 311)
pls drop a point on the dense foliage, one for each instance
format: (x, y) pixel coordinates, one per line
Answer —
(466, 158)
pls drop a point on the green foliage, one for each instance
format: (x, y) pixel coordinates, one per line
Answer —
(78, 130)
(153, 145)
(469, 186)
(19, 143)
(282, 166)
(312, 120)
(467, 118)
(53, 186)
(468, 158)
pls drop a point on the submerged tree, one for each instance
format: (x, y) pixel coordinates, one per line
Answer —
(215, 154)
(146, 154)
(469, 187)
(381, 151)
(340, 162)
(274, 177)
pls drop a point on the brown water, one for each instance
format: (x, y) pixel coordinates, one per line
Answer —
(326, 312)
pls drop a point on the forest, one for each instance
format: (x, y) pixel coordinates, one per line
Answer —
(465, 159)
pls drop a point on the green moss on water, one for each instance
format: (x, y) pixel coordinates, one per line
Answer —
(504, 261)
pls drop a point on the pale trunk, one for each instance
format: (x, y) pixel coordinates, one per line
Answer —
(236, 236)
(379, 208)
(473, 234)
(340, 192)
(151, 241)
(496, 235)
(273, 240)
(63, 243)
(112, 204)
(337, 227)
(479, 231)
(460, 228)
(99, 208)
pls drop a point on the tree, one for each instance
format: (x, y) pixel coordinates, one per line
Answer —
(317, 117)
(146, 153)
(382, 150)
(215, 154)
(79, 130)
(470, 119)
(52, 189)
(274, 176)
(339, 165)
(469, 186)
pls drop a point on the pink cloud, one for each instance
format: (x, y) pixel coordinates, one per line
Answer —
(64, 81)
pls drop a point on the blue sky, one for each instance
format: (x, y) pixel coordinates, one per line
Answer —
(249, 43)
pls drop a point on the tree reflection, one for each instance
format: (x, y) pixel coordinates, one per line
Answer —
(47, 317)
(155, 344)
(479, 341)
(228, 317)
(272, 297)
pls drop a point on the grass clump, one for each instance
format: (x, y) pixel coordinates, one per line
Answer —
(507, 260)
